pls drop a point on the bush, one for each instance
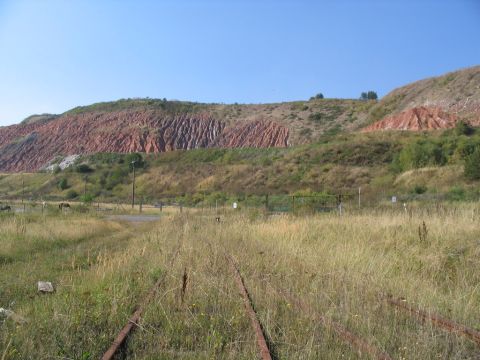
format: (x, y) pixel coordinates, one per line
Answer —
(71, 194)
(419, 189)
(87, 198)
(83, 169)
(419, 154)
(472, 165)
(63, 184)
(316, 117)
(115, 177)
(456, 193)
(463, 128)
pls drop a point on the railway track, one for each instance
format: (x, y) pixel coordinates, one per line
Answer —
(265, 347)
(362, 346)
(265, 351)
(434, 319)
(356, 342)
(134, 319)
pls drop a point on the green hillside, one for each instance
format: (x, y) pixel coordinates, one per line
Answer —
(415, 165)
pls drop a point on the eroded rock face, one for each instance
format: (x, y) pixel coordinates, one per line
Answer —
(416, 119)
(260, 134)
(27, 147)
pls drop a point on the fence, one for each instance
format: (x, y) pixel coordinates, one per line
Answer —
(306, 203)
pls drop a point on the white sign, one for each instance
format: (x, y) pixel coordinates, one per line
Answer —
(235, 205)
(394, 199)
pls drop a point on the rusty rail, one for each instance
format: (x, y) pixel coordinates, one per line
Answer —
(436, 320)
(261, 340)
(122, 335)
(357, 343)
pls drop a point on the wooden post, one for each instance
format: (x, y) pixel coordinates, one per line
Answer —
(133, 186)
(293, 204)
(23, 194)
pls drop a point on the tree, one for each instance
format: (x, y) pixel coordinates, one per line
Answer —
(370, 95)
(137, 158)
(318, 96)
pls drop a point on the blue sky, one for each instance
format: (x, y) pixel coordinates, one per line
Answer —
(56, 54)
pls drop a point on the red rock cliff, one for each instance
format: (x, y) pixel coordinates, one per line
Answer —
(416, 119)
(29, 147)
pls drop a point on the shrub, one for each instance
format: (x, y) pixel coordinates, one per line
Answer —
(456, 193)
(472, 165)
(464, 128)
(87, 198)
(419, 189)
(83, 169)
(71, 194)
(419, 154)
(115, 177)
(63, 184)
(316, 117)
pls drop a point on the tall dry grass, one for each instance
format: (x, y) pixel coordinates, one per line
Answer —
(339, 266)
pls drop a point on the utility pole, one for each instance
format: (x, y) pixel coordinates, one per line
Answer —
(359, 190)
(133, 184)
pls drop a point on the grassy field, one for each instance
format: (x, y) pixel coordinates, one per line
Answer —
(339, 266)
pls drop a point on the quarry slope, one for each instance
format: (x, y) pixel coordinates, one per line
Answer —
(29, 147)
(154, 126)
(416, 119)
(431, 103)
